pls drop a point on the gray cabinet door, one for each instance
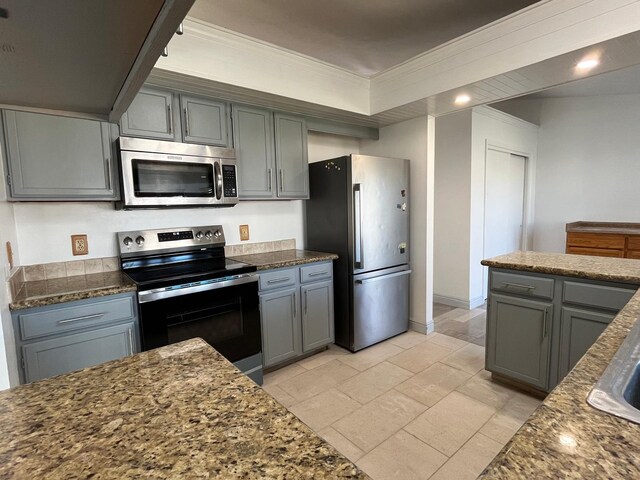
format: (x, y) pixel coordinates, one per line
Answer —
(204, 121)
(579, 329)
(73, 352)
(253, 142)
(518, 339)
(280, 326)
(317, 315)
(51, 157)
(151, 116)
(291, 156)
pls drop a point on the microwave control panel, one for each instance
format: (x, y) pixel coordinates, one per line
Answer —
(229, 180)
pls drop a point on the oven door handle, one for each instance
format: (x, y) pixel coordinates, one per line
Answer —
(162, 293)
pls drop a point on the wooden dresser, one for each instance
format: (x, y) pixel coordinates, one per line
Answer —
(604, 239)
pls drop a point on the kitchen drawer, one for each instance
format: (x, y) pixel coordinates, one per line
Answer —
(57, 319)
(633, 242)
(596, 252)
(278, 279)
(597, 240)
(527, 285)
(611, 298)
(315, 272)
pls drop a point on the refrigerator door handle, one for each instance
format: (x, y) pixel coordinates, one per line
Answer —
(384, 277)
(358, 246)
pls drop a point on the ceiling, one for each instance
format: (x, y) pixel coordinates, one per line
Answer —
(361, 36)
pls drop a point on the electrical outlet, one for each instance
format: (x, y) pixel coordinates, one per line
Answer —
(244, 232)
(79, 245)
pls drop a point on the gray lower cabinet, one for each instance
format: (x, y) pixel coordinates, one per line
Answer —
(166, 115)
(296, 308)
(518, 343)
(51, 157)
(272, 153)
(70, 336)
(280, 326)
(539, 325)
(579, 329)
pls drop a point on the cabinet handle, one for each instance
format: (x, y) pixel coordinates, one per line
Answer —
(544, 324)
(270, 175)
(305, 302)
(316, 274)
(294, 305)
(169, 122)
(281, 180)
(130, 341)
(108, 167)
(518, 285)
(186, 123)
(277, 280)
(79, 319)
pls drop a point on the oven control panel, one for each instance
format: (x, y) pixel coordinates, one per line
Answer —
(156, 241)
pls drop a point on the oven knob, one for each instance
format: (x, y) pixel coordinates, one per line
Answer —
(140, 240)
(127, 241)
(199, 235)
(217, 234)
(208, 234)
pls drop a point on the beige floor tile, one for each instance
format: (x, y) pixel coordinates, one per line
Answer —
(456, 312)
(333, 353)
(469, 314)
(372, 383)
(322, 410)
(447, 341)
(282, 374)
(409, 339)
(469, 358)
(423, 355)
(341, 443)
(371, 356)
(280, 395)
(470, 460)
(501, 427)
(312, 382)
(451, 422)
(482, 388)
(431, 385)
(402, 457)
(520, 406)
(376, 421)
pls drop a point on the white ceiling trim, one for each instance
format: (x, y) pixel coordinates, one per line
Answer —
(219, 55)
(530, 36)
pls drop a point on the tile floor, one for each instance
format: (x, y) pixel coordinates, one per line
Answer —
(467, 325)
(413, 407)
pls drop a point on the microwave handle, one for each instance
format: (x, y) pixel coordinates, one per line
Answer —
(217, 171)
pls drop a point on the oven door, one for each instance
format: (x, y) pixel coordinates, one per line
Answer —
(161, 180)
(227, 318)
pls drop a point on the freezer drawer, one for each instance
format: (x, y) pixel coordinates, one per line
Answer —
(380, 305)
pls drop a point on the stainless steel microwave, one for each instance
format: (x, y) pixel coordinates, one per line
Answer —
(157, 174)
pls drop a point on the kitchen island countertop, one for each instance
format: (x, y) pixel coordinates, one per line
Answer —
(181, 411)
(566, 437)
(284, 258)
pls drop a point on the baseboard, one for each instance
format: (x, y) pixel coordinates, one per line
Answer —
(419, 327)
(458, 302)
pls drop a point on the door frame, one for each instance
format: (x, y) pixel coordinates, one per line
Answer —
(526, 204)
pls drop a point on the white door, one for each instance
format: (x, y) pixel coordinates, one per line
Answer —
(504, 205)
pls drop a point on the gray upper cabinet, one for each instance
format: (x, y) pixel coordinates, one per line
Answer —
(291, 156)
(151, 115)
(579, 329)
(204, 121)
(317, 315)
(51, 157)
(280, 326)
(253, 139)
(518, 333)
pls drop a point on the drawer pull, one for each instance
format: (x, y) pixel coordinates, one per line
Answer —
(79, 319)
(518, 285)
(317, 274)
(278, 280)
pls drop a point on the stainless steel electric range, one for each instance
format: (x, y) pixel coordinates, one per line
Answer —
(187, 288)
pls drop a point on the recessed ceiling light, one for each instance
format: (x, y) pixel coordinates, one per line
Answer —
(462, 99)
(587, 64)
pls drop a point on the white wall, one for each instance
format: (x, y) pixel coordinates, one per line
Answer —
(410, 139)
(588, 165)
(323, 146)
(461, 142)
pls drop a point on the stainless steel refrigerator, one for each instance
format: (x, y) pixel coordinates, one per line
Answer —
(358, 208)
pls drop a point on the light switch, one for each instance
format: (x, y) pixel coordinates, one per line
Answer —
(244, 232)
(79, 245)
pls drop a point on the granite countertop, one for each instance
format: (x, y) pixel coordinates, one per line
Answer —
(39, 293)
(566, 437)
(284, 258)
(604, 227)
(181, 411)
